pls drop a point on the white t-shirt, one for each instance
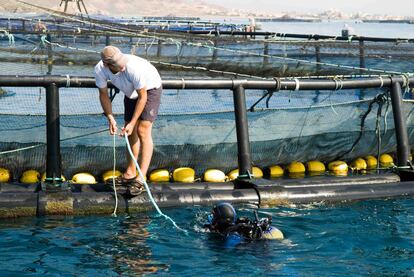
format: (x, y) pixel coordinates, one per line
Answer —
(139, 73)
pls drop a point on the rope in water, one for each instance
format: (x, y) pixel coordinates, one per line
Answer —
(148, 189)
(113, 179)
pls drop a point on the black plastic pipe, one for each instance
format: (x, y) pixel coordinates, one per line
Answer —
(53, 158)
(403, 145)
(18, 200)
(242, 130)
(285, 84)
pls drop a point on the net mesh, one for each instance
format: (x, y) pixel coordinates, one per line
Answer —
(287, 126)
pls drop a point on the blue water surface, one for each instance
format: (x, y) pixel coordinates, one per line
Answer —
(368, 238)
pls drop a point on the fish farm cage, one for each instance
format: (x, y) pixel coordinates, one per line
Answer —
(255, 101)
(248, 138)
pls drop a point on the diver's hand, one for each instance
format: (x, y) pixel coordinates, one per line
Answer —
(128, 129)
(113, 128)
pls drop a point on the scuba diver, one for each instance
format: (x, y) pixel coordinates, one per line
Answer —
(223, 220)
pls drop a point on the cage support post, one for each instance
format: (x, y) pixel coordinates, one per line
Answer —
(242, 131)
(49, 55)
(361, 56)
(214, 58)
(403, 146)
(318, 57)
(53, 158)
(159, 47)
(266, 52)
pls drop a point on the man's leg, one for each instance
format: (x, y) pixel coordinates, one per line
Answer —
(144, 131)
(131, 170)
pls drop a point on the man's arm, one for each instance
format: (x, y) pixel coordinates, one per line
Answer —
(107, 108)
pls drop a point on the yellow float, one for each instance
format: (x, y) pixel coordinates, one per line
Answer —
(359, 164)
(372, 162)
(276, 171)
(315, 167)
(110, 174)
(257, 173)
(30, 177)
(273, 234)
(338, 168)
(159, 175)
(296, 168)
(386, 160)
(214, 175)
(184, 175)
(5, 175)
(84, 178)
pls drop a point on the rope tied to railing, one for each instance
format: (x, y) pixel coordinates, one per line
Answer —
(382, 81)
(379, 99)
(297, 84)
(406, 82)
(67, 80)
(338, 83)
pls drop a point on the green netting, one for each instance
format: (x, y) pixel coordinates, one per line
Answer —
(302, 125)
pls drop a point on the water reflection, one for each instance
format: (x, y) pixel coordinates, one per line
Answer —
(133, 251)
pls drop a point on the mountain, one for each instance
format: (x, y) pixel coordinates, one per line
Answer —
(124, 7)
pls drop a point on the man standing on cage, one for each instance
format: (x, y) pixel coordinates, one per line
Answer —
(141, 84)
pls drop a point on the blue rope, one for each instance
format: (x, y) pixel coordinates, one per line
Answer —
(148, 189)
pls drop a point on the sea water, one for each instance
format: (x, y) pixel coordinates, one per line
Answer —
(334, 28)
(365, 238)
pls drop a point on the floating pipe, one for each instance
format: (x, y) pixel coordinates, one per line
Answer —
(328, 84)
(26, 200)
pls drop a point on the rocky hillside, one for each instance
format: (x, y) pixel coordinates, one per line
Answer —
(124, 7)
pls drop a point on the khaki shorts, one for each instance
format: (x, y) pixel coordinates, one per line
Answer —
(151, 108)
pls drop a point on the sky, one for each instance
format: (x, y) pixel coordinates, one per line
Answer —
(386, 7)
